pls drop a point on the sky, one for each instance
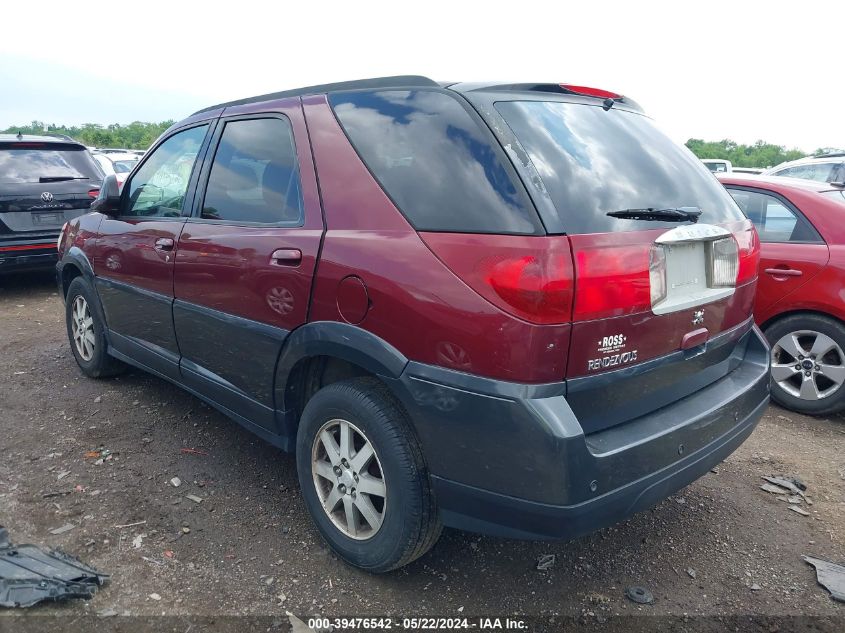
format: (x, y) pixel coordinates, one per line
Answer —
(744, 70)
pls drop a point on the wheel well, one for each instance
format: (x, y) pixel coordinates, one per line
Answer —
(69, 273)
(783, 315)
(311, 374)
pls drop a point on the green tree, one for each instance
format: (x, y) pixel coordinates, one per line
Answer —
(135, 135)
(760, 154)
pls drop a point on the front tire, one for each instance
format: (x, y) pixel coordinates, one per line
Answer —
(808, 363)
(363, 476)
(86, 332)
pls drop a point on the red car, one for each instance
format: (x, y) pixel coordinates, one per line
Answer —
(801, 287)
(518, 309)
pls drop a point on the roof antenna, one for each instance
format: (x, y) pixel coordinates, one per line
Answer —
(20, 136)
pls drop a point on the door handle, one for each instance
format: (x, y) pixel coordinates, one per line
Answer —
(286, 257)
(164, 244)
(784, 272)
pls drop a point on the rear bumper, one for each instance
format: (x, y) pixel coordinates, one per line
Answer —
(517, 464)
(17, 255)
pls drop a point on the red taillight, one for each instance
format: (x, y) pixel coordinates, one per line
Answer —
(749, 253)
(93, 193)
(612, 280)
(528, 277)
(536, 286)
(591, 92)
(60, 241)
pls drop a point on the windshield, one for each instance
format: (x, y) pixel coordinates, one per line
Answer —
(593, 162)
(37, 161)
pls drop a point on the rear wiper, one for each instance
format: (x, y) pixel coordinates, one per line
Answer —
(671, 214)
(61, 178)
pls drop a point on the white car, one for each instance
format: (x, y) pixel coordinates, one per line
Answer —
(718, 165)
(118, 164)
(827, 168)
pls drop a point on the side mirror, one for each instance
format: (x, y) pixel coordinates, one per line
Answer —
(108, 201)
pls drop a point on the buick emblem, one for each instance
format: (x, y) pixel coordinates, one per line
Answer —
(46, 197)
(698, 317)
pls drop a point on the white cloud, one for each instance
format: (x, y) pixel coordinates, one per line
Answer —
(742, 70)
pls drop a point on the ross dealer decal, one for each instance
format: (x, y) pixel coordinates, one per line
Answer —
(612, 349)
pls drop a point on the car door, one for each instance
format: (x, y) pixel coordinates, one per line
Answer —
(134, 253)
(246, 258)
(791, 250)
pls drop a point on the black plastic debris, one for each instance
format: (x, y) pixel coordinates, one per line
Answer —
(829, 575)
(29, 575)
(640, 595)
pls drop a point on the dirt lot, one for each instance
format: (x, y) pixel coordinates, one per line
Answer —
(721, 547)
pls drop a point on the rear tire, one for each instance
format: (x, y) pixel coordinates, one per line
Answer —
(808, 363)
(391, 489)
(86, 332)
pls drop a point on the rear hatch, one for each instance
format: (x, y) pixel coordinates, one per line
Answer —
(664, 262)
(633, 266)
(43, 185)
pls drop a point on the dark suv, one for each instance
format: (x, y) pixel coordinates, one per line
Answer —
(44, 182)
(514, 309)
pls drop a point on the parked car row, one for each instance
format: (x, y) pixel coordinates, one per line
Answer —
(119, 164)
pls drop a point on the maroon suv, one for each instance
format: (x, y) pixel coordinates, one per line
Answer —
(515, 309)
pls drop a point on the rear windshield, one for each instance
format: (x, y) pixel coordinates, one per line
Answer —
(444, 171)
(593, 161)
(45, 162)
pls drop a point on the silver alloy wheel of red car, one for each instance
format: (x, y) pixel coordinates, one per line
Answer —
(808, 364)
(82, 325)
(349, 479)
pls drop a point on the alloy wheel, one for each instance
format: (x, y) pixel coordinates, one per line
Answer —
(82, 327)
(349, 479)
(808, 365)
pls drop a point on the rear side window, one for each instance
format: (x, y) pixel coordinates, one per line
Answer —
(593, 162)
(255, 175)
(443, 170)
(45, 162)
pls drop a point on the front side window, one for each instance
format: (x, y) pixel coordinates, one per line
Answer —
(774, 221)
(435, 161)
(594, 162)
(158, 188)
(255, 175)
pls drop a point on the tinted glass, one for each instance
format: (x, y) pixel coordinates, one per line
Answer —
(774, 221)
(435, 161)
(255, 175)
(821, 172)
(158, 188)
(594, 161)
(45, 162)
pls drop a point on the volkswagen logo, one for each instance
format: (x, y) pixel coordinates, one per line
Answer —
(46, 197)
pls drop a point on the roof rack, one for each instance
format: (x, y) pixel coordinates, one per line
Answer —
(399, 81)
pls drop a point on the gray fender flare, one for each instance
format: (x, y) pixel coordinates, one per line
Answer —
(338, 340)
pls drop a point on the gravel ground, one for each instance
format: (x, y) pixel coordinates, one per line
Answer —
(721, 548)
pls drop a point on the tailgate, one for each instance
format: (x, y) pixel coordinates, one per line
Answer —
(633, 352)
